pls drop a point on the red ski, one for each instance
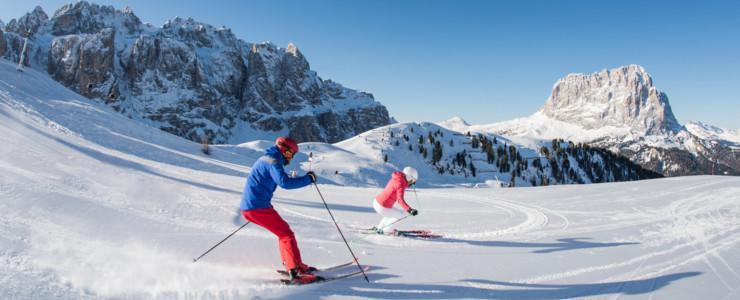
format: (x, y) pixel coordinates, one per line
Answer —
(421, 234)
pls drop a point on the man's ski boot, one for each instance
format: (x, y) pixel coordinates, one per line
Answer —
(306, 269)
(299, 277)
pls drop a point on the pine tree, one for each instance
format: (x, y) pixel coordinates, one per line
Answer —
(205, 145)
(545, 151)
(437, 152)
(490, 156)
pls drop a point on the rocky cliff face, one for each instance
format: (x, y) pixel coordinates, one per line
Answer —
(623, 96)
(190, 78)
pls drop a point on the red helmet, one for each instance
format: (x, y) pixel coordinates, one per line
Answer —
(285, 143)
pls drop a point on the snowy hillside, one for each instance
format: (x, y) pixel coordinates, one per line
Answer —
(98, 206)
(444, 157)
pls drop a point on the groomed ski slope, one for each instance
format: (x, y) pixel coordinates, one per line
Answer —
(95, 205)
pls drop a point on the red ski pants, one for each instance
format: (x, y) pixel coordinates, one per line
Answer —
(271, 220)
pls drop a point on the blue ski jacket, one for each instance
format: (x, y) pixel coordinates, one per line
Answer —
(267, 173)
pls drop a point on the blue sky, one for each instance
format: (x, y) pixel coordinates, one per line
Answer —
(485, 61)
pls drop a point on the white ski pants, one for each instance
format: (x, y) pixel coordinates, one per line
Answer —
(390, 215)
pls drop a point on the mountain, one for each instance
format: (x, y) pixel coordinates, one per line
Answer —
(621, 97)
(455, 123)
(98, 206)
(445, 157)
(621, 110)
(190, 78)
(728, 137)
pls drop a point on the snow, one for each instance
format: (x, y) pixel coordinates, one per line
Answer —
(96, 205)
(543, 127)
(456, 124)
(713, 133)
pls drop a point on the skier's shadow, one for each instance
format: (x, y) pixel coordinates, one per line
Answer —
(492, 289)
(564, 244)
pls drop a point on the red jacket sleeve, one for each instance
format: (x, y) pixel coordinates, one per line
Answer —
(400, 190)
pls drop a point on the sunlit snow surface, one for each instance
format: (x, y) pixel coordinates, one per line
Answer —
(95, 205)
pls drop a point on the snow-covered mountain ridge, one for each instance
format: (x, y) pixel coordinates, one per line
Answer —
(730, 137)
(98, 206)
(189, 78)
(443, 157)
(621, 110)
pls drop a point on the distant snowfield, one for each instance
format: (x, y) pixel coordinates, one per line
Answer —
(97, 206)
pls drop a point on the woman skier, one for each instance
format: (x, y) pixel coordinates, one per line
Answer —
(393, 192)
(268, 173)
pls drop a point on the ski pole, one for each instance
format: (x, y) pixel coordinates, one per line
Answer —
(219, 243)
(310, 160)
(418, 204)
(340, 232)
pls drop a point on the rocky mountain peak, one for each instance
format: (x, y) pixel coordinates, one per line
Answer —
(620, 97)
(28, 24)
(85, 17)
(198, 34)
(292, 49)
(190, 78)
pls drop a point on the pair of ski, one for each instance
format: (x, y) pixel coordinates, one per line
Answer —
(419, 234)
(327, 278)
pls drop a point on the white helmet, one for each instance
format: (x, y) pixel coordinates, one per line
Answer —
(411, 174)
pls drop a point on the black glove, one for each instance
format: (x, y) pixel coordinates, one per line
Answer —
(413, 212)
(312, 175)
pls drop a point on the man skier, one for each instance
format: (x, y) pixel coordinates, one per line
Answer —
(267, 173)
(393, 192)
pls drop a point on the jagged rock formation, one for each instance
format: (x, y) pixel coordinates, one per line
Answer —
(623, 96)
(190, 78)
(621, 110)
